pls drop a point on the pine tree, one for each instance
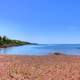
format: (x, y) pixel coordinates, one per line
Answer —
(0, 38)
(4, 38)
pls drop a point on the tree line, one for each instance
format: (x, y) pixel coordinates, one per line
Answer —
(4, 41)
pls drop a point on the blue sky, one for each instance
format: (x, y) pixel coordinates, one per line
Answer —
(41, 21)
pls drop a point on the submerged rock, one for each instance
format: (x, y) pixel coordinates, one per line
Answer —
(56, 53)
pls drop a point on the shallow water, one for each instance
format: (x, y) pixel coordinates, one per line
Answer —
(42, 49)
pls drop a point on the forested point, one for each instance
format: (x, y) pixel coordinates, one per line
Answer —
(6, 42)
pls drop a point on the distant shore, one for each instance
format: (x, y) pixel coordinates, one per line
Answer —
(14, 45)
(6, 42)
(47, 67)
(6, 46)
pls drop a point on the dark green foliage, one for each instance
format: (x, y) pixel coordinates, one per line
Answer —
(5, 42)
(0, 38)
(4, 38)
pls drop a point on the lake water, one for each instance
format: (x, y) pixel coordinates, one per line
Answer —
(42, 49)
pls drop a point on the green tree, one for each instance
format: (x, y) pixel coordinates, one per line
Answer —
(4, 38)
(0, 38)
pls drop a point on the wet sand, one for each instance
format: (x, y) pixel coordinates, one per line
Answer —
(50, 67)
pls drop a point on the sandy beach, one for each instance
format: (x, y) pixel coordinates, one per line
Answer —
(50, 67)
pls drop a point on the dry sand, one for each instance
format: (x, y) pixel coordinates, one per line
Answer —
(51, 67)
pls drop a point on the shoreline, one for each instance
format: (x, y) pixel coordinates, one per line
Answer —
(7, 46)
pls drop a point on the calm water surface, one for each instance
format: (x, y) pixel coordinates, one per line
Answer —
(42, 49)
